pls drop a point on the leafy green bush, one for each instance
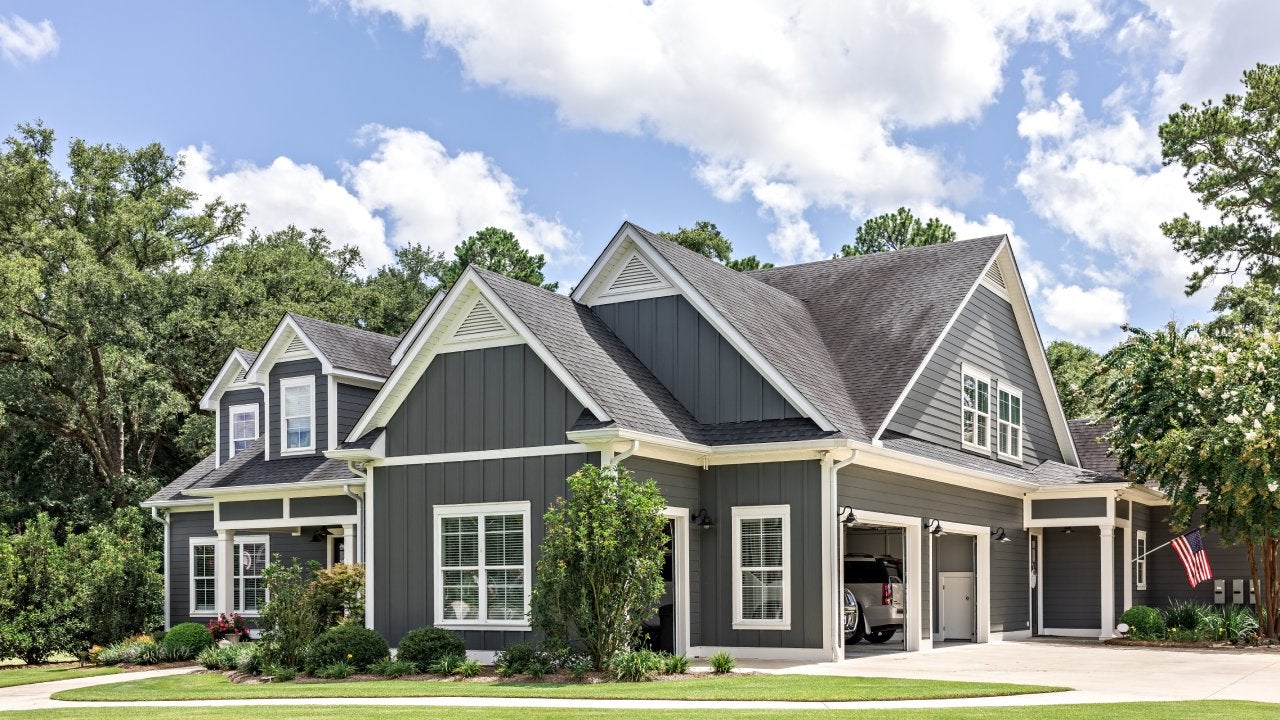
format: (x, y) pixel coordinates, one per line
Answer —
(291, 619)
(187, 639)
(516, 658)
(636, 665)
(244, 657)
(338, 594)
(210, 658)
(158, 636)
(722, 662)
(121, 653)
(1145, 623)
(577, 665)
(535, 669)
(40, 581)
(675, 664)
(353, 644)
(389, 668)
(468, 668)
(279, 673)
(121, 594)
(334, 671)
(425, 645)
(249, 658)
(1240, 624)
(447, 664)
(1184, 615)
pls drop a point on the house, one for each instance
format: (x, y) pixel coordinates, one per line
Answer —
(897, 404)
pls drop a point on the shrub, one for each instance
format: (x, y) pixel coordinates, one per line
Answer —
(358, 646)
(338, 594)
(467, 668)
(187, 640)
(158, 636)
(334, 671)
(447, 664)
(537, 668)
(120, 653)
(40, 612)
(1184, 615)
(210, 658)
(636, 665)
(577, 666)
(225, 625)
(675, 664)
(1240, 624)
(250, 658)
(600, 570)
(516, 658)
(279, 673)
(1145, 623)
(290, 620)
(121, 593)
(389, 668)
(722, 662)
(425, 645)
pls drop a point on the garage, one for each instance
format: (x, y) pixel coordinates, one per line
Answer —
(873, 589)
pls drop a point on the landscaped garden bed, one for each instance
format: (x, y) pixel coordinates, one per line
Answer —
(1189, 624)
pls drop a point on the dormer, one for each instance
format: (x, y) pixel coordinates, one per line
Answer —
(237, 406)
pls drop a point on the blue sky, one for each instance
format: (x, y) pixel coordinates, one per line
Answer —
(394, 121)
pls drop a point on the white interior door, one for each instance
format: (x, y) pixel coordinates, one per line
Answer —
(956, 609)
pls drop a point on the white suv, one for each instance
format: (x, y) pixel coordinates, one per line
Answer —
(872, 597)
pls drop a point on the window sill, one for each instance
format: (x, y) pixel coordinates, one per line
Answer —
(761, 626)
(975, 448)
(507, 627)
(233, 612)
(1008, 458)
(297, 451)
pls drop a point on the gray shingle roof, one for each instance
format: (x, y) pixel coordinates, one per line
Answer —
(249, 355)
(248, 468)
(173, 492)
(1092, 449)
(350, 348)
(1046, 474)
(879, 314)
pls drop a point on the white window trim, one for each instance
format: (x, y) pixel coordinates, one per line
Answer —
(978, 376)
(1140, 562)
(308, 381)
(762, 511)
(231, 425)
(1022, 424)
(482, 622)
(191, 573)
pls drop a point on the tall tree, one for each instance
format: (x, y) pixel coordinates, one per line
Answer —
(1231, 155)
(497, 250)
(897, 230)
(706, 239)
(1072, 365)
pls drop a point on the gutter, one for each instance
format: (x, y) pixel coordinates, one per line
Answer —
(837, 612)
(244, 489)
(358, 550)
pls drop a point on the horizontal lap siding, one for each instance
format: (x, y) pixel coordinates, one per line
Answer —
(230, 399)
(1168, 579)
(292, 369)
(404, 546)
(680, 486)
(700, 368)
(986, 336)
(878, 491)
(1072, 581)
(797, 484)
(352, 402)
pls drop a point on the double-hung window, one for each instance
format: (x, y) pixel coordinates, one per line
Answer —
(482, 564)
(244, 427)
(297, 411)
(761, 567)
(1009, 444)
(975, 403)
(204, 597)
(248, 593)
(1140, 560)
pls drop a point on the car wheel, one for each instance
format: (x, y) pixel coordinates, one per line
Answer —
(880, 636)
(853, 623)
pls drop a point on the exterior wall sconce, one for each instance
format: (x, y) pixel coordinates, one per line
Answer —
(999, 535)
(702, 520)
(1067, 530)
(934, 527)
(319, 535)
(845, 516)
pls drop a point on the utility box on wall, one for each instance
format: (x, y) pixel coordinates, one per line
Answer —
(1219, 592)
(1237, 592)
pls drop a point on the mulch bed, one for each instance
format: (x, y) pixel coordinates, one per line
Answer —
(74, 664)
(1200, 645)
(487, 675)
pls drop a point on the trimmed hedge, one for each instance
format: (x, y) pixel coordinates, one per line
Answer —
(1145, 623)
(426, 645)
(355, 645)
(187, 637)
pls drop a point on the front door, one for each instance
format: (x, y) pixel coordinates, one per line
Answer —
(956, 611)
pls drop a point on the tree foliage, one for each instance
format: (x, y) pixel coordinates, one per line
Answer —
(1231, 155)
(600, 573)
(897, 230)
(706, 239)
(1072, 366)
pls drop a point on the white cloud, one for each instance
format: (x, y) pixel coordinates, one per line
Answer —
(793, 106)
(1085, 314)
(409, 189)
(22, 41)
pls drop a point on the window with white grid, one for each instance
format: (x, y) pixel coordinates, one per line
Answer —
(203, 583)
(761, 567)
(975, 404)
(249, 589)
(244, 427)
(1010, 423)
(482, 564)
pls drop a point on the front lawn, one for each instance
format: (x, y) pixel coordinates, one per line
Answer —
(23, 675)
(730, 687)
(1129, 711)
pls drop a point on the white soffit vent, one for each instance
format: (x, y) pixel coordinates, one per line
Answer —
(481, 322)
(994, 277)
(635, 276)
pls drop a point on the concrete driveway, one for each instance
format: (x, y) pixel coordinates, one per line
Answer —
(1124, 673)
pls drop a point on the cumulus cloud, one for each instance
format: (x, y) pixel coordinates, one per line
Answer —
(22, 41)
(1084, 315)
(409, 189)
(791, 106)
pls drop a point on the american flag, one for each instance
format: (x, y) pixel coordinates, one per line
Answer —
(1190, 549)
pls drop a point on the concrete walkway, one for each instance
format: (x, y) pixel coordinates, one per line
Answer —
(1099, 674)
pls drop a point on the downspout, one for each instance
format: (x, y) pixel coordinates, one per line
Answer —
(155, 515)
(635, 445)
(358, 550)
(837, 619)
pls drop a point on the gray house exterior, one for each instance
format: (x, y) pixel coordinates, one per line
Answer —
(892, 405)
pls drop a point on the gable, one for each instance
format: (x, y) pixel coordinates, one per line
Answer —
(986, 336)
(704, 372)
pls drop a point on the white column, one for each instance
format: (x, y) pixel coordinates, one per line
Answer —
(224, 558)
(829, 606)
(1128, 566)
(349, 544)
(1107, 544)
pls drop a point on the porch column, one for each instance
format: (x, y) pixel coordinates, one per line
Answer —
(1107, 543)
(224, 558)
(349, 555)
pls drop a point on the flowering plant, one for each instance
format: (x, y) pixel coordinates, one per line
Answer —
(225, 625)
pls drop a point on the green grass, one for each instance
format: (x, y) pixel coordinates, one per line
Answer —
(1128, 711)
(731, 687)
(22, 675)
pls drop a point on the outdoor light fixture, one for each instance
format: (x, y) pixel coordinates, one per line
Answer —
(933, 526)
(845, 516)
(702, 520)
(999, 536)
(319, 535)
(1067, 530)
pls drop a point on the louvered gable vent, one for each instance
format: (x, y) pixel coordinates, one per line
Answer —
(994, 277)
(635, 275)
(240, 376)
(482, 320)
(295, 346)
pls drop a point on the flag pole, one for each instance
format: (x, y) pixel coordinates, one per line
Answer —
(1201, 527)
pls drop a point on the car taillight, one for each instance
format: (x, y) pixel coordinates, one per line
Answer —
(886, 594)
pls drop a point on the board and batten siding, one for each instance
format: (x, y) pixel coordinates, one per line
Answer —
(985, 336)
(874, 490)
(688, 356)
(231, 398)
(1071, 579)
(798, 484)
(1166, 578)
(501, 397)
(320, 410)
(1140, 519)
(680, 486)
(353, 400)
(404, 556)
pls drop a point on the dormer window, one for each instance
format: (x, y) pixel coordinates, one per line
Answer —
(975, 402)
(244, 427)
(297, 425)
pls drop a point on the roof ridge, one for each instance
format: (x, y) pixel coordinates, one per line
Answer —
(894, 254)
(307, 318)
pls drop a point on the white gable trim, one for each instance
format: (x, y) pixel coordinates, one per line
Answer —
(430, 342)
(230, 369)
(277, 345)
(628, 275)
(626, 234)
(407, 339)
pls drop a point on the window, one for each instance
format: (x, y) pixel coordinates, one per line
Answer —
(1010, 424)
(298, 425)
(249, 592)
(244, 427)
(1140, 562)
(761, 557)
(482, 564)
(975, 400)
